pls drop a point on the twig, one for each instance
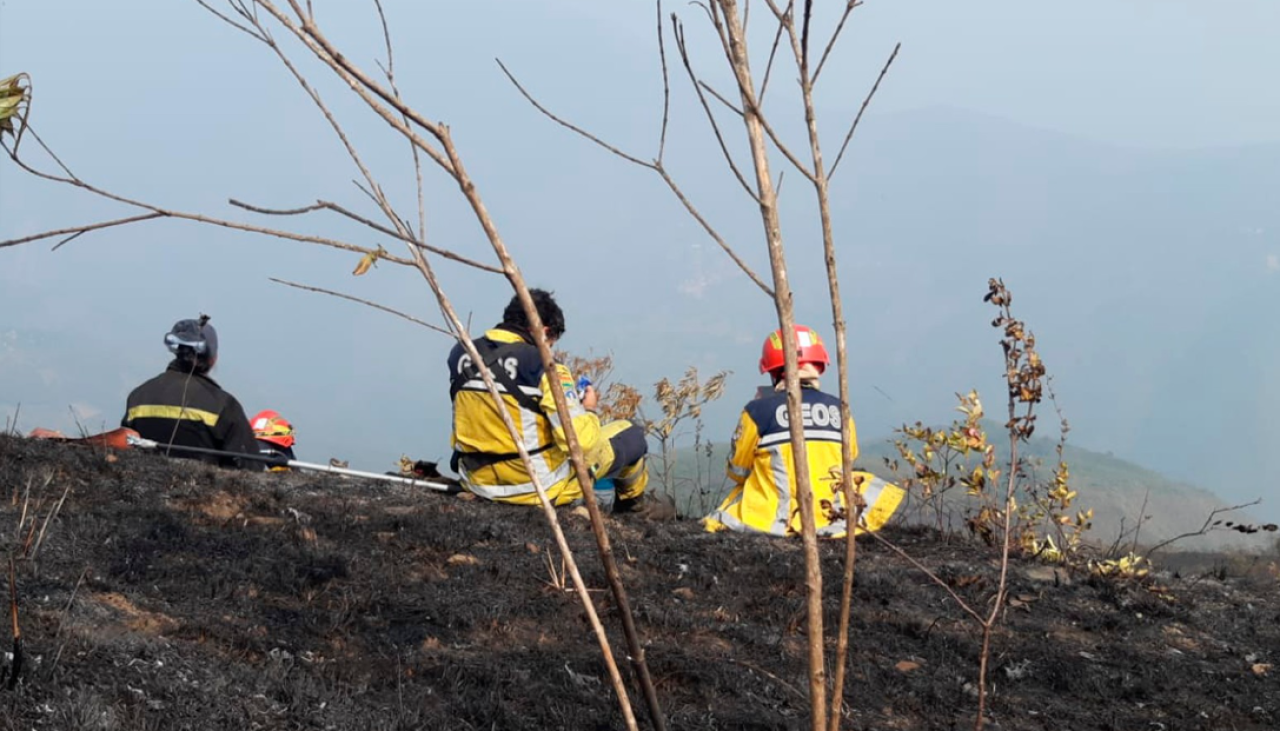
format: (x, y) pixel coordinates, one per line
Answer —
(1207, 527)
(1142, 514)
(330, 206)
(62, 619)
(767, 674)
(182, 215)
(655, 166)
(243, 28)
(49, 516)
(15, 668)
(853, 127)
(768, 68)
(720, 97)
(832, 42)
(78, 230)
(390, 72)
(365, 302)
(929, 573)
(360, 82)
(678, 30)
(666, 87)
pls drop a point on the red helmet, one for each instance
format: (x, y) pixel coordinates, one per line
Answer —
(808, 344)
(269, 426)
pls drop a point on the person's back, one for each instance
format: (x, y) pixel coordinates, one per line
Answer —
(762, 462)
(765, 500)
(485, 454)
(184, 407)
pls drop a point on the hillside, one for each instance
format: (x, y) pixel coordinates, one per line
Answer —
(171, 595)
(1115, 488)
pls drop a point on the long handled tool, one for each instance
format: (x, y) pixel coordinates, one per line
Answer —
(125, 438)
(275, 460)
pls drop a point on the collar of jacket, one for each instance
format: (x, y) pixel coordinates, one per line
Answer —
(501, 334)
(176, 367)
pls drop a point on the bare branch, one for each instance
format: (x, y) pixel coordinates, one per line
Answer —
(183, 215)
(233, 23)
(768, 68)
(848, 8)
(78, 230)
(365, 302)
(804, 34)
(697, 216)
(720, 97)
(390, 72)
(569, 125)
(359, 82)
(678, 29)
(1208, 526)
(786, 152)
(392, 233)
(666, 87)
(853, 127)
(655, 166)
(932, 576)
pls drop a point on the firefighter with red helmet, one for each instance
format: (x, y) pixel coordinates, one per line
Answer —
(762, 465)
(274, 434)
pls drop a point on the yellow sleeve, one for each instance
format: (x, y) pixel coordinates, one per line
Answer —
(585, 423)
(742, 451)
(853, 439)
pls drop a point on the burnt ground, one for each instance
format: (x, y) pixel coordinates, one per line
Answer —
(171, 595)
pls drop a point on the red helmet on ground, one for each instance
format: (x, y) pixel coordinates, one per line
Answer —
(270, 426)
(808, 345)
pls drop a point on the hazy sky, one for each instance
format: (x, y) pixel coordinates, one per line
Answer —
(163, 102)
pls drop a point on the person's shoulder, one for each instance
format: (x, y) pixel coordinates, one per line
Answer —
(818, 396)
(763, 407)
(151, 382)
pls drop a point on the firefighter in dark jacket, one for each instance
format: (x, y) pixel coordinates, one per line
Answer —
(184, 407)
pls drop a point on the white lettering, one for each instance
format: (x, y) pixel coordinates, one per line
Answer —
(811, 415)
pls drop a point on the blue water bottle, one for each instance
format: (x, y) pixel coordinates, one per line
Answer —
(605, 494)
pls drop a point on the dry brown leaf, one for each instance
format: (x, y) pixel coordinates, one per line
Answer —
(684, 592)
(532, 548)
(463, 559)
(1261, 668)
(906, 666)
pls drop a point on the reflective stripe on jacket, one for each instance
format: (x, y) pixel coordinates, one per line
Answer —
(762, 466)
(488, 464)
(191, 410)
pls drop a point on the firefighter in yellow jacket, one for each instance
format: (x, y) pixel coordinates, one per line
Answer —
(762, 465)
(484, 454)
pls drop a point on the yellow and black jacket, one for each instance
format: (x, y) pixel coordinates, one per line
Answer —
(485, 454)
(762, 466)
(191, 410)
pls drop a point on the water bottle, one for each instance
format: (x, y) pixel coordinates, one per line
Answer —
(605, 494)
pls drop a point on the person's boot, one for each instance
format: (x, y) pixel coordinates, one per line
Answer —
(648, 507)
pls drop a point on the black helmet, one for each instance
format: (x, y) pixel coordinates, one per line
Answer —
(194, 340)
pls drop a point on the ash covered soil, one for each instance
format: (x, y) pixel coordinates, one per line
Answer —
(172, 595)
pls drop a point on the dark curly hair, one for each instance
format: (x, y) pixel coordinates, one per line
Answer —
(514, 317)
